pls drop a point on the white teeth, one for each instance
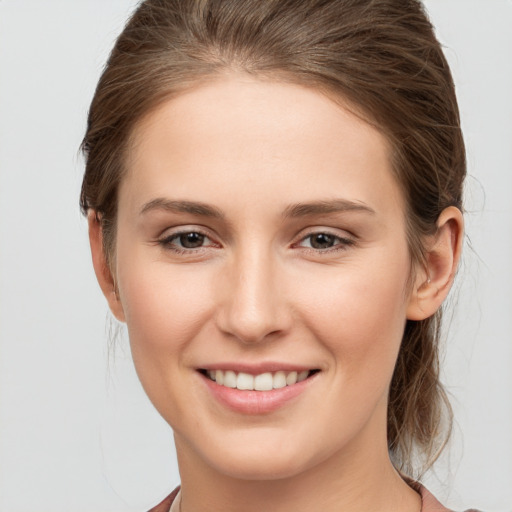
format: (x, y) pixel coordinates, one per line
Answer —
(279, 380)
(302, 376)
(229, 379)
(291, 378)
(262, 382)
(244, 381)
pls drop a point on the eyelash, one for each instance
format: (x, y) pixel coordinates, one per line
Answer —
(168, 242)
(340, 243)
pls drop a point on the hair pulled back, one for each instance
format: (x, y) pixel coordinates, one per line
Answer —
(380, 56)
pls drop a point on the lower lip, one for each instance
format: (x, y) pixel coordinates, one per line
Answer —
(256, 402)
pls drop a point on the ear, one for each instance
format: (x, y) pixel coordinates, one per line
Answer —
(101, 269)
(433, 282)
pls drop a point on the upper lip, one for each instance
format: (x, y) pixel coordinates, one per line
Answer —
(258, 368)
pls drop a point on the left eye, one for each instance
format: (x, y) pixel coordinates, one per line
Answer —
(322, 241)
(187, 240)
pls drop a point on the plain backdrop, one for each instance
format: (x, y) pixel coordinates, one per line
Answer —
(76, 431)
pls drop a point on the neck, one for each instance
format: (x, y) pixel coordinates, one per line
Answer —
(356, 480)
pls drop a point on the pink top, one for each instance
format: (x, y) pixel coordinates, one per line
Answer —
(429, 503)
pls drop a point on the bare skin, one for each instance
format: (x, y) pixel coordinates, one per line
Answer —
(260, 226)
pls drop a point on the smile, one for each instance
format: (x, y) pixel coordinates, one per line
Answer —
(252, 393)
(262, 382)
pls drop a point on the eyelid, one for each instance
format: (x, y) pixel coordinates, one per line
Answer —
(170, 234)
(345, 240)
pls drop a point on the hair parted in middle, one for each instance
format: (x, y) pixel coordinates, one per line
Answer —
(380, 59)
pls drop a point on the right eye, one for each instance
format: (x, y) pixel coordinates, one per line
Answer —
(325, 242)
(186, 241)
(322, 240)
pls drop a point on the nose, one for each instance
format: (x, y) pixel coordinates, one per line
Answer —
(254, 306)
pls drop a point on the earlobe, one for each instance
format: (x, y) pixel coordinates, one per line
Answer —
(433, 283)
(101, 268)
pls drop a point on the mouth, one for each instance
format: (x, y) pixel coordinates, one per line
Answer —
(257, 390)
(266, 381)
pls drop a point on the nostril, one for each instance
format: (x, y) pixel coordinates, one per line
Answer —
(253, 309)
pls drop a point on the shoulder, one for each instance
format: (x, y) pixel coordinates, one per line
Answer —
(165, 504)
(430, 503)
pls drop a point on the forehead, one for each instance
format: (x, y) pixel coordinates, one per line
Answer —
(264, 136)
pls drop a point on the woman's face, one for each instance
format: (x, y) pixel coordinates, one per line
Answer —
(261, 238)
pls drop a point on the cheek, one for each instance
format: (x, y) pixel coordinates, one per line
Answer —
(164, 308)
(359, 313)
(164, 311)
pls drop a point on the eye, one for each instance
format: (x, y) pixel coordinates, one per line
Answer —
(184, 240)
(191, 240)
(323, 241)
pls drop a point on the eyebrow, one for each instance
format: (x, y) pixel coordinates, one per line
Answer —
(292, 211)
(192, 207)
(326, 207)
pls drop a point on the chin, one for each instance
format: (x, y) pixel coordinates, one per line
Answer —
(268, 455)
(267, 466)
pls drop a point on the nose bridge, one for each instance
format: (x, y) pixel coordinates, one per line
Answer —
(254, 306)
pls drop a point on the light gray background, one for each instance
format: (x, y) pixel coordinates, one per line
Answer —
(76, 431)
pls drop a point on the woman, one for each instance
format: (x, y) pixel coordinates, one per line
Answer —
(274, 195)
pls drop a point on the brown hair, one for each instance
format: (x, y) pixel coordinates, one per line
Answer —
(381, 56)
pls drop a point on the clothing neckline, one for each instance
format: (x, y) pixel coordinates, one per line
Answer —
(428, 502)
